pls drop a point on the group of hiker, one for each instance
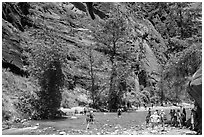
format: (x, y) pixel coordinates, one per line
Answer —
(177, 118)
(156, 118)
(89, 115)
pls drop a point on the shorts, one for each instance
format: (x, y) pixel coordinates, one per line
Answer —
(154, 123)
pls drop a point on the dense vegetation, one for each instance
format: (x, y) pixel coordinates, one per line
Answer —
(130, 54)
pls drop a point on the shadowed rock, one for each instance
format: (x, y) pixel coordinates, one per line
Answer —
(195, 86)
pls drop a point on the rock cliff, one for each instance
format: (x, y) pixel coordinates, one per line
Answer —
(69, 22)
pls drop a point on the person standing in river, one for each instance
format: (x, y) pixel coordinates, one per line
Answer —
(155, 119)
(119, 112)
(179, 118)
(184, 117)
(85, 110)
(171, 116)
(174, 123)
(157, 112)
(192, 119)
(148, 117)
(163, 117)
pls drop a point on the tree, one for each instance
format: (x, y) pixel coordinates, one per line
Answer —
(111, 34)
(89, 60)
(91, 72)
(174, 19)
(46, 59)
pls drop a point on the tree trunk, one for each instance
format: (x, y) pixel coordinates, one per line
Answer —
(112, 91)
(93, 94)
(181, 21)
(162, 94)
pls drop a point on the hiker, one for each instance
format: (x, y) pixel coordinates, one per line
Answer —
(163, 117)
(76, 111)
(179, 118)
(192, 117)
(145, 106)
(157, 112)
(149, 110)
(137, 106)
(183, 117)
(85, 110)
(89, 118)
(154, 119)
(171, 115)
(148, 117)
(174, 118)
(119, 112)
(181, 109)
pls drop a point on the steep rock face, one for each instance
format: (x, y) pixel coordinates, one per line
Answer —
(11, 44)
(150, 62)
(195, 91)
(68, 21)
(12, 51)
(151, 45)
(62, 18)
(16, 14)
(14, 21)
(91, 8)
(17, 18)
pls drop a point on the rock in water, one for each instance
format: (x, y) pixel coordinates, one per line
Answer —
(191, 133)
(153, 131)
(24, 120)
(73, 117)
(62, 133)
